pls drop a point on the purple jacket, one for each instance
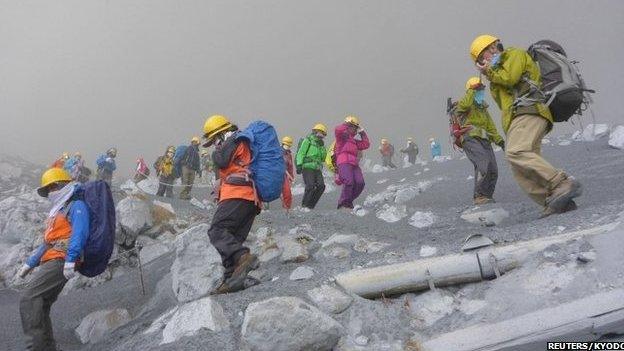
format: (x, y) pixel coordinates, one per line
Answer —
(347, 147)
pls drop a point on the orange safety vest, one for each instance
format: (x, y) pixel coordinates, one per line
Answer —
(57, 237)
(238, 165)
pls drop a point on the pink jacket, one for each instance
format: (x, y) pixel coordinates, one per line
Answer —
(347, 147)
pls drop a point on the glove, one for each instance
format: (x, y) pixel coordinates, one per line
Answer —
(501, 144)
(299, 170)
(23, 272)
(69, 270)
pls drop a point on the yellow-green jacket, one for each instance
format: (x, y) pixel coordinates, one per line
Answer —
(506, 78)
(478, 117)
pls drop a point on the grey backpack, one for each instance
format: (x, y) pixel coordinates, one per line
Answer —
(563, 88)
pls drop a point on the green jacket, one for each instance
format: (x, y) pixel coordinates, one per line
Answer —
(506, 79)
(478, 117)
(311, 153)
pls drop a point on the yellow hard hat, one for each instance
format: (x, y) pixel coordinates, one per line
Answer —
(171, 148)
(352, 120)
(288, 141)
(473, 83)
(215, 125)
(480, 43)
(321, 128)
(384, 141)
(195, 140)
(78, 154)
(51, 176)
(410, 139)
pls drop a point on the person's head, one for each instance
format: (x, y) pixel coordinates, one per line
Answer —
(352, 122)
(195, 141)
(53, 179)
(215, 129)
(474, 83)
(170, 153)
(410, 140)
(431, 140)
(287, 142)
(320, 130)
(384, 141)
(204, 153)
(78, 155)
(112, 152)
(65, 156)
(170, 148)
(484, 47)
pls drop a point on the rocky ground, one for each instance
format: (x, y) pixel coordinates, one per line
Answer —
(405, 214)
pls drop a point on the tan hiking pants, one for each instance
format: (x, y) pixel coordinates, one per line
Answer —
(523, 150)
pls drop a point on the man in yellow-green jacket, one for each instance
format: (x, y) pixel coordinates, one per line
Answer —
(513, 73)
(476, 133)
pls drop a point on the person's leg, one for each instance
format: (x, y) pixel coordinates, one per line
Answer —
(286, 194)
(345, 172)
(319, 188)
(161, 187)
(476, 153)
(532, 172)
(40, 293)
(226, 223)
(308, 180)
(492, 171)
(184, 180)
(358, 183)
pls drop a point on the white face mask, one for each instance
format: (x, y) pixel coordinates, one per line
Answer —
(286, 147)
(60, 197)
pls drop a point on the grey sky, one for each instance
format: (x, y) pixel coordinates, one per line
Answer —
(86, 75)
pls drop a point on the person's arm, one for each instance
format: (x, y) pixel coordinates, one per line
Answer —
(223, 153)
(79, 219)
(508, 74)
(364, 143)
(35, 258)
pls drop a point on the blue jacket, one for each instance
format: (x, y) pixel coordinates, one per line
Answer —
(104, 162)
(79, 218)
(191, 158)
(436, 150)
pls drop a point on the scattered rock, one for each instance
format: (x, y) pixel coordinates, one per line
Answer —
(422, 219)
(594, 132)
(585, 257)
(359, 211)
(288, 324)
(162, 212)
(431, 306)
(340, 239)
(302, 273)
(406, 194)
(329, 299)
(616, 139)
(369, 246)
(151, 249)
(392, 214)
(194, 316)
(197, 269)
(97, 324)
(565, 142)
(470, 307)
(160, 322)
(269, 254)
(292, 251)
(487, 218)
(426, 251)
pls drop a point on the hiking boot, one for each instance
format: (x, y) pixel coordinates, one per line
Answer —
(244, 265)
(561, 196)
(482, 200)
(571, 206)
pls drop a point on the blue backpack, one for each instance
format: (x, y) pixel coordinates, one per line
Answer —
(267, 166)
(99, 246)
(177, 160)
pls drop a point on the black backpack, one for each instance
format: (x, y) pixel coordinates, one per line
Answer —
(562, 86)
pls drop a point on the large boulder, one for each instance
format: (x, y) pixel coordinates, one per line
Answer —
(288, 324)
(99, 323)
(197, 268)
(22, 219)
(193, 317)
(134, 217)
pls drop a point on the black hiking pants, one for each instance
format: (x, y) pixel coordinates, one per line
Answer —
(230, 226)
(479, 152)
(314, 187)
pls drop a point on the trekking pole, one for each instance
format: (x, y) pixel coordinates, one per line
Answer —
(141, 272)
